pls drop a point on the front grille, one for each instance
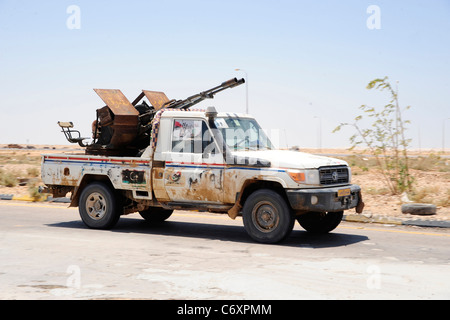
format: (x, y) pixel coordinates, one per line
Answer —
(333, 175)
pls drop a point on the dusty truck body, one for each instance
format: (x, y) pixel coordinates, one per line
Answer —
(204, 160)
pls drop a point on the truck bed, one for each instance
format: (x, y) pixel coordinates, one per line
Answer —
(126, 173)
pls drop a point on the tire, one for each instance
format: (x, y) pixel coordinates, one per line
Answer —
(98, 206)
(155, 214)
(421, 209)
(267, 217)
(320, 222)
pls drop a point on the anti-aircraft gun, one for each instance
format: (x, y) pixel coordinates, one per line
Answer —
(123, 128)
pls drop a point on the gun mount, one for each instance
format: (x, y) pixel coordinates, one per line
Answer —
(123, 128)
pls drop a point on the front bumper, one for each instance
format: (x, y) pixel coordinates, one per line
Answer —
(326, 199)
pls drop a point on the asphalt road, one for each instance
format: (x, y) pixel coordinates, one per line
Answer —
(47, 253)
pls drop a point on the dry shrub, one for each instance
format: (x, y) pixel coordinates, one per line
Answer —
(8, 179)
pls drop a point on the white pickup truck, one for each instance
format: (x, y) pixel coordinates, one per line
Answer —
(158, 157)
(202, 160)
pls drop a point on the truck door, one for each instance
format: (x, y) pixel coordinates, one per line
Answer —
(194, 169)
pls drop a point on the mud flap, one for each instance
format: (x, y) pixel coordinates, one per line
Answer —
(234, 211)
(360, 206)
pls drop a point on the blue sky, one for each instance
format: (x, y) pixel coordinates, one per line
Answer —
(307, 62)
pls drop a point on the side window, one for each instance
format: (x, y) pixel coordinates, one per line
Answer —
(191, 136)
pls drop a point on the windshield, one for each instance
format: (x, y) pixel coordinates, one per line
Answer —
(243, 134)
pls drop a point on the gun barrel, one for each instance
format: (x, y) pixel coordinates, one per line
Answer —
(208, 94)
(233, 82)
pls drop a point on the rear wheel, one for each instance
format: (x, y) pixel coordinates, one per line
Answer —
(98, 206)
(267, 217)
(155, 214)
(320, 222)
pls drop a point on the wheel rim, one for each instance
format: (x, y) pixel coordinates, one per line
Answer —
(265, 217)
(96, 206)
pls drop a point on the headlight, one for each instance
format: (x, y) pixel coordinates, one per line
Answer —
(312, 177)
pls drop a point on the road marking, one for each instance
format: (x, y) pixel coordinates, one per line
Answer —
(33, 205)
(397, 231)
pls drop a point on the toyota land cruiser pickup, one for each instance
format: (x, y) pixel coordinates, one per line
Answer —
(216, 162)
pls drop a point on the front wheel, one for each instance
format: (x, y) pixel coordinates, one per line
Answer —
(320, 222)
(267, 217)
(98, 206)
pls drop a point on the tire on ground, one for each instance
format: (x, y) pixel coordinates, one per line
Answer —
(155, 214)
(267, 217)
(99, 207)
(419, 208)
(320, 222)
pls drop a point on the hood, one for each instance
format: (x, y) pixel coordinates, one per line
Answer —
(291, 159)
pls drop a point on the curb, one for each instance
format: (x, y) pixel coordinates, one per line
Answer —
(396, 221)
(42, 198)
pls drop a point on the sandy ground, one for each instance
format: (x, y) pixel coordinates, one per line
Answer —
(389, 205)
(377, 201)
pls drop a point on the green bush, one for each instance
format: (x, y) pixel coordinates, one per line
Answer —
(385, 139)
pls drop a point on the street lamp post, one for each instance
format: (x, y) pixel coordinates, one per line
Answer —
(246, 89)
(443, 134)
(319, 133)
